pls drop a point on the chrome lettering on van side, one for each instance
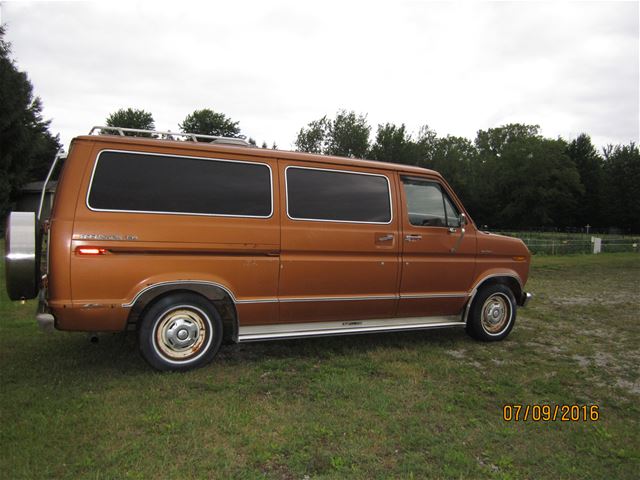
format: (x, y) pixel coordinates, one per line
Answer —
(93, 236)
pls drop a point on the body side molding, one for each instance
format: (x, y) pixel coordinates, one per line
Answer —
(178, 282)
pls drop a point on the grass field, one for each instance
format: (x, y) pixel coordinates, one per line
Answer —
(405, 405)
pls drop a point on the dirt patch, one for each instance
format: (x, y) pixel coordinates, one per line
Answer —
(556, 350)
(460, 354)
(610, 298)
(632, 387)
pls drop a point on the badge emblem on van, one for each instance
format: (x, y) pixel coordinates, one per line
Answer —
(93, 236)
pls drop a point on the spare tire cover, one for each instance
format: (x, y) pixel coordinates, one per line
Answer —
(20, 256)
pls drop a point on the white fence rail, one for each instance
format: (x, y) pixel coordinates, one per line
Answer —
(540, 245)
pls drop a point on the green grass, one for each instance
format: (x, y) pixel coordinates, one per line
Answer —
(405, 405)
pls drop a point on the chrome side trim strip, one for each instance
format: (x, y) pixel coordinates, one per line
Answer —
(336, 299)
(353, 298)
(95, 167)
(434, 295)
(315, 329)
(178, 282)
(258, 300)
(294, 299)
(493, 275)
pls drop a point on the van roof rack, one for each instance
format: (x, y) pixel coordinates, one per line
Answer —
(240, 141)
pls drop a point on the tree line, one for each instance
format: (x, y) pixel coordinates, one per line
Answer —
(203, 122)
(508, 177)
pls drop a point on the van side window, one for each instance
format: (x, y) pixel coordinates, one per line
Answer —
(340, 196)
(136, 182)
(428, 205)
(453, 216)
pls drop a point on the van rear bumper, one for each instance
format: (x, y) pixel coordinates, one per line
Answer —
(44, 317)
(46, 321)
(525, 298)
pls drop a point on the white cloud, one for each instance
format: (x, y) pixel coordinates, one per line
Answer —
(570, 67)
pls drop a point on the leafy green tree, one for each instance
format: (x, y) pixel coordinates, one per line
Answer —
(347, 135)
(315, 137)
(454, 157)
(425, 146)
(208, 122)
(523, 179)
(622, 187)
(26, 145)
(590, 167)
(394, 144)
(131, 118)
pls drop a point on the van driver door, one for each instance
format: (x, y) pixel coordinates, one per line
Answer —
(438, 255)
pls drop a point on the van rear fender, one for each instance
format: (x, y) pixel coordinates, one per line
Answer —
(219, 295)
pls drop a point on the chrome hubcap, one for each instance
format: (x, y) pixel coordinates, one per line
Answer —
(181, 333)
(496, 313)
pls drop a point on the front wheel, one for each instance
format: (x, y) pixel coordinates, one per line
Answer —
(180, 332)
(492, 314)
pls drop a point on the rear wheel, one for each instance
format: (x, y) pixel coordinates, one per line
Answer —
(180, 332)
(492, 314)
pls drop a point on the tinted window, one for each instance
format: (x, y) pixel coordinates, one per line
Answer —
(339, 196)
(453, 217)
(424, 202)
(160, 183)
(429, 205)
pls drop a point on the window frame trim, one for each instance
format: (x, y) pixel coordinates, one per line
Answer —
(286, 187)
(156, 212)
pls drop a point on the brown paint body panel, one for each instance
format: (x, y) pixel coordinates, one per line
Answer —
(327, 260)
(277, 269)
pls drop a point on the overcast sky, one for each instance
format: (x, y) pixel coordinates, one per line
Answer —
(569, 67)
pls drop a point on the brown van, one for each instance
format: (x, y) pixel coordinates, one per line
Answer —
(192, 243)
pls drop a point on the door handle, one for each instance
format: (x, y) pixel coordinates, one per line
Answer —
(455, 247)
(412, 238)
(385, 238)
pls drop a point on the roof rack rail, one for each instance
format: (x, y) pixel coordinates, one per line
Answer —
(240, 141)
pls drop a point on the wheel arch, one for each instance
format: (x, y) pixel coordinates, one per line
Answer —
(220, 297)
(509, 279)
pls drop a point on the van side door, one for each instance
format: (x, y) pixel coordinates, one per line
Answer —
(438, 261)
(340, 248)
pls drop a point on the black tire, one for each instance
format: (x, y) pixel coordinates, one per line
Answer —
(180, 332)
(492, 314)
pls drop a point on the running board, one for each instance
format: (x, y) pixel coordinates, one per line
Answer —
(255, 333)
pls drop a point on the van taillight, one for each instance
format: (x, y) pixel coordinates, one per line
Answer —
(90, 251)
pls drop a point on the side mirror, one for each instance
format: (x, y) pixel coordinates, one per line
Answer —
(463, 221)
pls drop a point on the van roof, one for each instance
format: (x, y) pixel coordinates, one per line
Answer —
(255, 152)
